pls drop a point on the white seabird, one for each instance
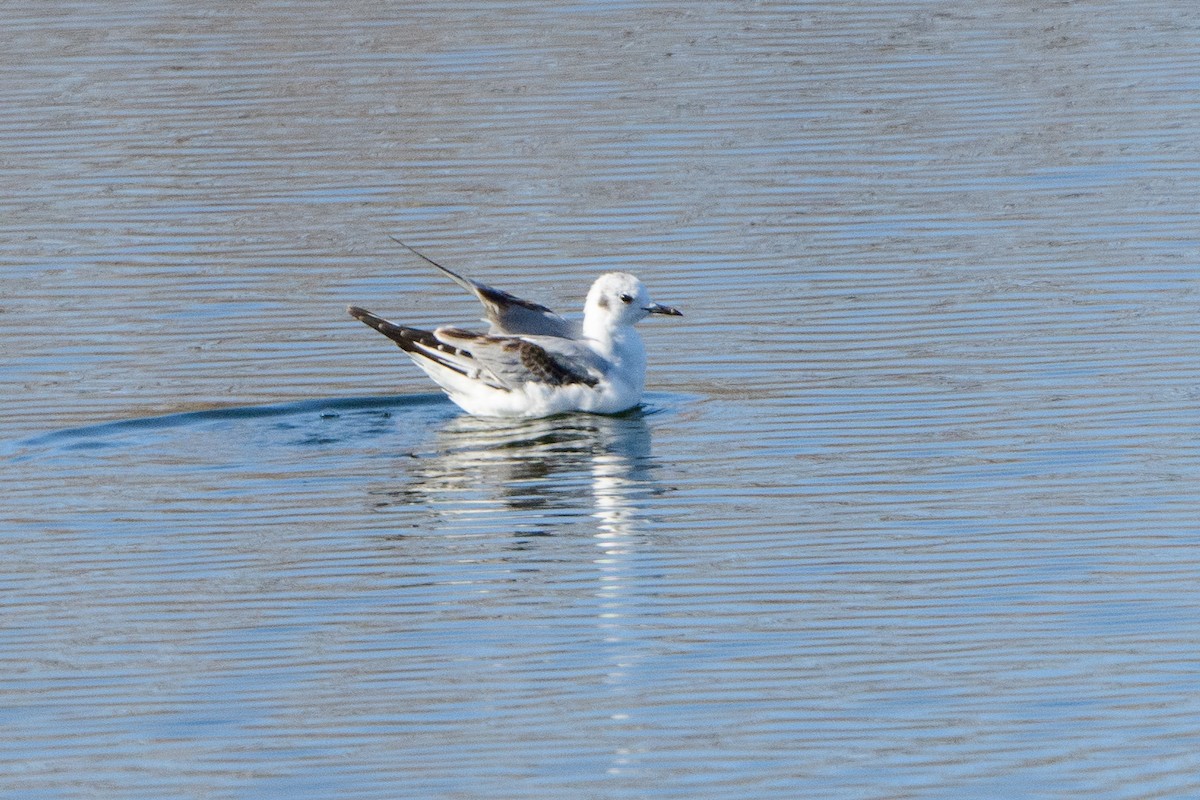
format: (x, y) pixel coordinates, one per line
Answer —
(533, 362)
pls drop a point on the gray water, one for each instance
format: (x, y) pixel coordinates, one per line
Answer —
(910, 510)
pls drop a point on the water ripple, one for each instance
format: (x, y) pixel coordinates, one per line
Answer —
(909, 513)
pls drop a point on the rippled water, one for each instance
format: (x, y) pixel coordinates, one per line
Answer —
(910, 511)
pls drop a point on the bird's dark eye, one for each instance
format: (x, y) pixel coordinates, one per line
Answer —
(626, 299)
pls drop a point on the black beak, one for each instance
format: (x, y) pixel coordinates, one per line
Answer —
(655, 308)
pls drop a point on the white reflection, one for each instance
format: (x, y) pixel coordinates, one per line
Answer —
(562, 469)
(550, 476)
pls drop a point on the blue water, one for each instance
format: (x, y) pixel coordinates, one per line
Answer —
(909, 511)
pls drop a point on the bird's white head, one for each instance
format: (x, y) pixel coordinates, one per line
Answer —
(618, 299)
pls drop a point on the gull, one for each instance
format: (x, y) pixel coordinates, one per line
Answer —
(533, 362)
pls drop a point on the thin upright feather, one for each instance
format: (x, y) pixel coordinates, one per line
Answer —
(505, 313)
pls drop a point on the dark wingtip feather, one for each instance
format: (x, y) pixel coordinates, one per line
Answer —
(397, 333)
(415, 341)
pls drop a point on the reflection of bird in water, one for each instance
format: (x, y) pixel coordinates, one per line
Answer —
(593, 465)
(524, 481)
(532, 362)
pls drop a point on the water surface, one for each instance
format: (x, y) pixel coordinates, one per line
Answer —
(909, 511)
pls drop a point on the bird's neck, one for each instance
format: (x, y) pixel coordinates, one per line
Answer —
(600, 328)
(620, 344)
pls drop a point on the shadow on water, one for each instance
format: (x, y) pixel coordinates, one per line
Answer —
(442, 459)
(285, 417)
(416, 456)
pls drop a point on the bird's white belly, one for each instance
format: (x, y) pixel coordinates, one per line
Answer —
(542, 400)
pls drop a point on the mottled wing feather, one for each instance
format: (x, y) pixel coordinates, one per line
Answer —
(544, 367)
(516, 361)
